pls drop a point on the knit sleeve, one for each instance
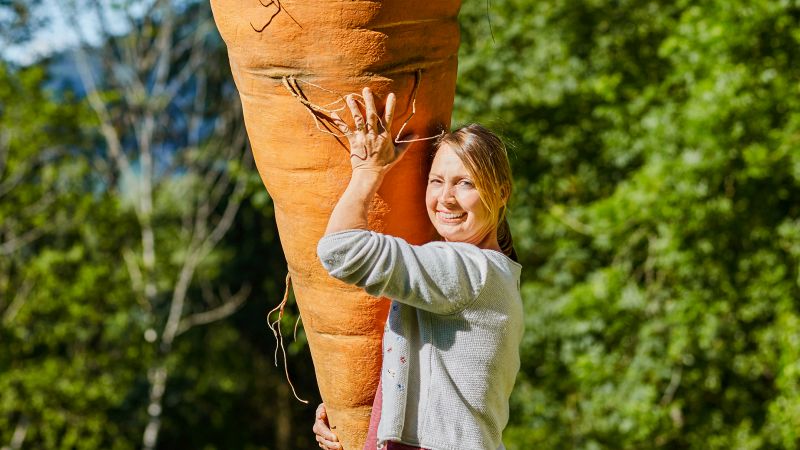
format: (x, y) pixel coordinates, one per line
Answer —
(438, 277)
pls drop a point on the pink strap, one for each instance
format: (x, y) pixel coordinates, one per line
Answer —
(375, 418)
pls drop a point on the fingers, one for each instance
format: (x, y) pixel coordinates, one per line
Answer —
(325, 437)
(321, 428)
(321, 411)
(372, 114)
(388, 111)
(369, 121)
(328, 445)
(342, 126)
(358, 119)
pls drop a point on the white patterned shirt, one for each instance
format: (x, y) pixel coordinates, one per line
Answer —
(451, 343)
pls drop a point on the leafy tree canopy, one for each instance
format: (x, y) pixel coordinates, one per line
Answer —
(657, 206)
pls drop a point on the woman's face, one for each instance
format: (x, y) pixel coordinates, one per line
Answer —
(453, 204)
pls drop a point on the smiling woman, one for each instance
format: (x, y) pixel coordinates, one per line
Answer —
(468, 188)
(451, 344)
(454, 204)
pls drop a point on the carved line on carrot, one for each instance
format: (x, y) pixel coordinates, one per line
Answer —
(277, 4)
(280, 7)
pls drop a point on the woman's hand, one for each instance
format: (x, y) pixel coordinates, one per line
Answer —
(372, 147)
(325, 437)
(372, 154)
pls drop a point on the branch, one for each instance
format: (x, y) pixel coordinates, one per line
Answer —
(105, 35)
(194, 44)
(559, 213)
(24, 168)
(148, 56)
(14, 180)
(221, 186)
(128, 82)
(224, 224)
(97, 104)
(40, 206)
(163, 48)
(198, 109)
(231, 304)
(12, 245)
(137, 280)
(179, 294)
(674, 383)
(19, 299)
(4, 146)
(196, 253)
(146, 136)
(17, 242)
(107, 128)
(217, 190)
(20, 432)
(219, 181)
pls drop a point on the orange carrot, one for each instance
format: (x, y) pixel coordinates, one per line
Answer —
(292, 62)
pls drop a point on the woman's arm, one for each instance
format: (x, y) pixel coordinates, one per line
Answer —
(372, 154)
(441, 278)
(350, 213)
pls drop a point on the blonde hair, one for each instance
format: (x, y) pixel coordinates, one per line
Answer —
(486, 159)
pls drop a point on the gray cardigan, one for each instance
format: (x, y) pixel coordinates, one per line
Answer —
(451, 343)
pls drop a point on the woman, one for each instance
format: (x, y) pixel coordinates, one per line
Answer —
(451, 342)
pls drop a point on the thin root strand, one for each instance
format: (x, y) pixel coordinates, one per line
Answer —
(276, 331)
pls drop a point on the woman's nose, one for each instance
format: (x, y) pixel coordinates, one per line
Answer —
(446, 195)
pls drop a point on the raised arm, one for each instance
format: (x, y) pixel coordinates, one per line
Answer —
(372, 154)
(438, 277)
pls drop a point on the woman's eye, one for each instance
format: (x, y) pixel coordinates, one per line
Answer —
(434, 181)
(466, 183)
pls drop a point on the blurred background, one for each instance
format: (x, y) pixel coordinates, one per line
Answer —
(656, 153)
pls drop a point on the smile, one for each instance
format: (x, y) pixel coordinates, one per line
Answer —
(449, 216)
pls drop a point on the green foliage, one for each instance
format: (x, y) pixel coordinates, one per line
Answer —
(658, 210)
(75, 355)
(69, 339)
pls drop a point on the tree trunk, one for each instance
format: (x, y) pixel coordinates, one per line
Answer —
(292, 62)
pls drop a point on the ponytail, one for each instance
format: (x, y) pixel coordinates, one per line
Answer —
(506, 241)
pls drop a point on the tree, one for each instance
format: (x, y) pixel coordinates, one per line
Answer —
(72, 263)
(59, 372)
(657, 210)
(176, 159)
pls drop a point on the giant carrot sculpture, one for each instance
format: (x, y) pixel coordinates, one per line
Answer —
(292, 61)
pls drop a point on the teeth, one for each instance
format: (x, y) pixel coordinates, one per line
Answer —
(451, 215)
